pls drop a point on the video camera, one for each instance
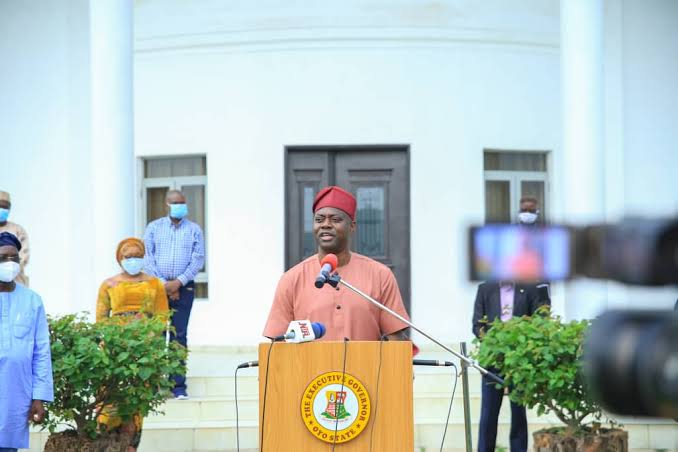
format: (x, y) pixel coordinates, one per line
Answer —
(630, 357)
(635, 251)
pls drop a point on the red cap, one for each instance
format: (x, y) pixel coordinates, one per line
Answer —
(336, 197)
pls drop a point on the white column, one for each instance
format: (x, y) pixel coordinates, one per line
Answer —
(581, 46)
(112, 165)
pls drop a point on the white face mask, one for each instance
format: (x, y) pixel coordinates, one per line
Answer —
(527, 218)
(132, 265)
(9, 271)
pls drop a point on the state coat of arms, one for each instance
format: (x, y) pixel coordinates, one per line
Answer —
(335, 406)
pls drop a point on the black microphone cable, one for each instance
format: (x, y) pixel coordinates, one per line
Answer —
(263, 408)
(237, 415)
(343, 376)
(376, 400)
(449, 411)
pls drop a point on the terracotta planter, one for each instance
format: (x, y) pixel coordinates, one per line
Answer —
(69, 441)
(558, 440)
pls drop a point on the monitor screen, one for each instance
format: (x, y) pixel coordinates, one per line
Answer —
(509, 252)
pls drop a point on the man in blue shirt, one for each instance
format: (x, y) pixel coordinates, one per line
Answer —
(175, 253)
(25, 356)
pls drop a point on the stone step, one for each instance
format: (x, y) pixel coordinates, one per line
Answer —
(426, 381)
(248, 385)
(221, 436)
(206, 422)
(662, 435)
(206, 361)
(212, 415)
(222, 408)
(428, 435)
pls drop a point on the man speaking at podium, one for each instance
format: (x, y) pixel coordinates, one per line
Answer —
(344, 313)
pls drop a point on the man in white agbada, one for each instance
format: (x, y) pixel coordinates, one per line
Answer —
(25, 358)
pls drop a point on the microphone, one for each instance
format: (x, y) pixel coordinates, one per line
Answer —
(248, 364)
(302, 331)
(431, 362)
(327, 266)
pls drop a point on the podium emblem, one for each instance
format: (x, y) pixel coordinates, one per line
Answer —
(332, 406)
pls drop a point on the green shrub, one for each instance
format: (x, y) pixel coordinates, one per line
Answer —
(540, 360)
(121, 363)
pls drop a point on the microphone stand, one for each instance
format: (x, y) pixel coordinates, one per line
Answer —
(335, 280)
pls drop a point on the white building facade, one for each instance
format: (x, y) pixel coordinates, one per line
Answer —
(99, 95)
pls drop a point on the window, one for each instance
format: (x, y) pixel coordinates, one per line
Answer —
(510, 176)
(188, 174)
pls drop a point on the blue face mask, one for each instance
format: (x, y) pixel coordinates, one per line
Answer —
(4, 214)
(133, 265)
(178, 211)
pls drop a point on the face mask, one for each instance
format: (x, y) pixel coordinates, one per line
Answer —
(4, 214)
(178, 211)
(527, 218)
(132, 265)
(9, 271)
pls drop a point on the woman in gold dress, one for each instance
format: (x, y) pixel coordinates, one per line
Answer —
(131, 293)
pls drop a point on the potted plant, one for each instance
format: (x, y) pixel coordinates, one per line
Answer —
(119, 364)
(540, 360)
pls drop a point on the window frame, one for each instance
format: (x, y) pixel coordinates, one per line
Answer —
(171, 183)
(515, 178)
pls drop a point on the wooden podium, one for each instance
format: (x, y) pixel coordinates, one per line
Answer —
(306, 402)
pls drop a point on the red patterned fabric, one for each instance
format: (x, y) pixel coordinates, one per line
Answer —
(336, 197)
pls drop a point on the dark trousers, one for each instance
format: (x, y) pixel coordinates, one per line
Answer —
(489, 415)
(182, 312)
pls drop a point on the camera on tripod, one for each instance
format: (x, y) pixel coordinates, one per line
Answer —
(630, 357)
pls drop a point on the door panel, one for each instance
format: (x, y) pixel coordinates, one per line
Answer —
(195, 197)
(373, 177)
(371, 237)
(379, 178)
(155, 202)
(497, 201)
(307, 174)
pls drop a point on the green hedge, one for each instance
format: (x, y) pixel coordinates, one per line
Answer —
(540, 360)
(119, 362)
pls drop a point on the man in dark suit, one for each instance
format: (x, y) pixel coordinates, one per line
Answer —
(504, 301)
(528, 216)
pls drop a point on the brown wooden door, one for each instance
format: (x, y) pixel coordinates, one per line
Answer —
(379, 178)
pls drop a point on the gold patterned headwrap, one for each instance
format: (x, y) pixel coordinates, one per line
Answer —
(131, 243)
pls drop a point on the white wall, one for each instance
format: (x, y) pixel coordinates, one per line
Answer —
(44, 125)
(240, 97)
(641, 118)
(238, 81)
(650, 75)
